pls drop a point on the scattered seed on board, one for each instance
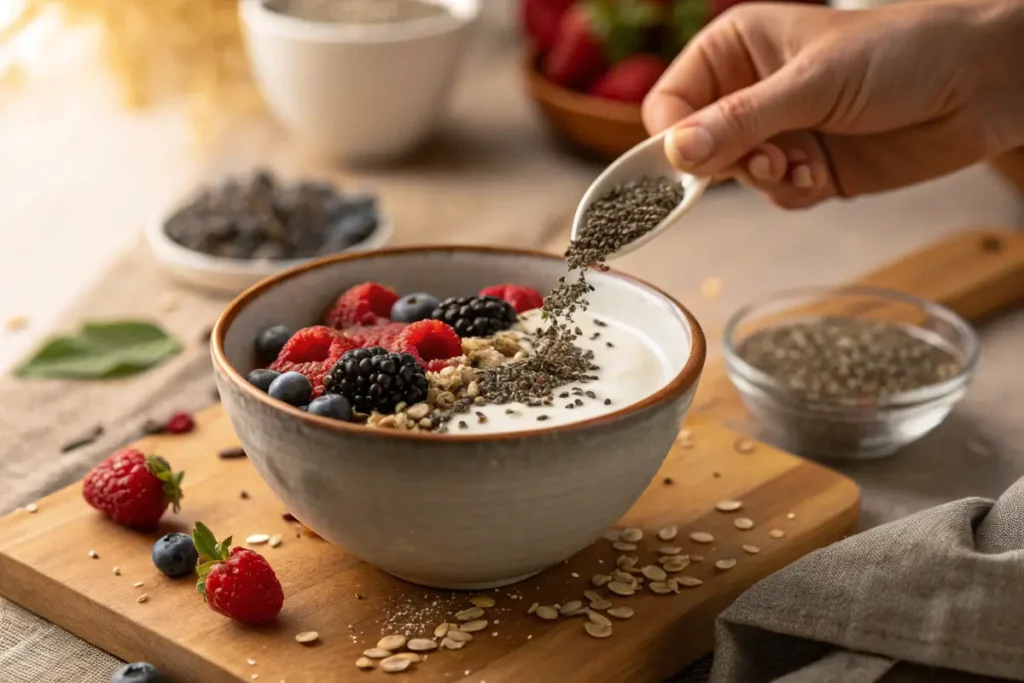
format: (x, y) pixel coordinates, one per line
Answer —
(696, 558)
(94, 555)
(473, 626)
(533, 607)
(668, 533)
(670, 550)
(395, 642)
(441, 630)
(117, 571)
(275, 541)
(790, 516)
(623, 546)
(621, 612)
(308, 637)
(676, 564)
(654, 573)
(570, 607)
(702, 537)
(142, 598)
(726, 564)
(689, 581)
(660, 588)
(376, 653)
(600, 580)
(622, 577)
(751, 549)
(612, 535)
(469, 614)
(600, 604)
(597, 630)
(139, 584)
(482, 601)
(598, 618)
(449, 644)
(728, 505)
(625, 561)
(743, 523)
(395, 664)
(411, 656)
(776, 533)
(592, 596)
(547, 612)
(365, 663)
(257, 539)
(632, 535)
(620, 588)
(745, 446)
(31, 508)
(421, 645)
(459, 636)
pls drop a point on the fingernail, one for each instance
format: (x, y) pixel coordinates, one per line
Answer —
(693, 144)
(802, 177)
(760, 167)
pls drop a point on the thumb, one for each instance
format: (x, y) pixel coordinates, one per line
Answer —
(714, 138)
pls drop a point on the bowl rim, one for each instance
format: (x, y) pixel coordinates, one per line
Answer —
(903, 399)
(257, 16)
(687, 376)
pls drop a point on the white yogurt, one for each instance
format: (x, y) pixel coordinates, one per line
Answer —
(631, 369)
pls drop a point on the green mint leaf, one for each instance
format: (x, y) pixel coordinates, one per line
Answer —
(206, 544)
(102, 351)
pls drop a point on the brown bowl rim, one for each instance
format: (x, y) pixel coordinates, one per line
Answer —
(572, 100)
(682, 382)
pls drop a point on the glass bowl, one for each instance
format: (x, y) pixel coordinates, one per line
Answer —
(868, 426)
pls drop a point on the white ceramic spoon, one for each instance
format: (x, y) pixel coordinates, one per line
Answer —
(646, 159)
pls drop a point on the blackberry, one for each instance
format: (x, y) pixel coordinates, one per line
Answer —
(373, 379)
(476, 316)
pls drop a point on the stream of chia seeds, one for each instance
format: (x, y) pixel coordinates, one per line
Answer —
(617, 218)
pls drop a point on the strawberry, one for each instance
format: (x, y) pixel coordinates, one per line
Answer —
(631, 79)
(239, 583)
(133, 488)
(521, 297)
(540, 20)
(576, 56)
(366, 304)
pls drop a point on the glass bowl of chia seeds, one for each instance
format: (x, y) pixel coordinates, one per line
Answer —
(848, 373)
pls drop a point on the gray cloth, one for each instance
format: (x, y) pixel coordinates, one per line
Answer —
(940, 591)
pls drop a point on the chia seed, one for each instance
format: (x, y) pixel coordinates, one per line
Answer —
(615, 219)
(607, 401)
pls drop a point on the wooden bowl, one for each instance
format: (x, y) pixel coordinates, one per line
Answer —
(603, 128)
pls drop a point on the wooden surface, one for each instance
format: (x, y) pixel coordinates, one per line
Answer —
(979, 274)
(45, 566)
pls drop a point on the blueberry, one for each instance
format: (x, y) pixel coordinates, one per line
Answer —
(262, 378)
(354, 227)
(332, 405)
(414, 307)
(175, 554)
(270, 341)
(139, 672)
(291, 387)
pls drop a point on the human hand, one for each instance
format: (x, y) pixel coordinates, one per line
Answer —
(806, 103)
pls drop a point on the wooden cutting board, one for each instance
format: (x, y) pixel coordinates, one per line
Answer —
(45, 562)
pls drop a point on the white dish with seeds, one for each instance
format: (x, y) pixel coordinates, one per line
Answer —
(496, 502)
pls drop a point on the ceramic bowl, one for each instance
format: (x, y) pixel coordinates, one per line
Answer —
(603, 128)
(229, 276)
(358, 92)
(457, 511)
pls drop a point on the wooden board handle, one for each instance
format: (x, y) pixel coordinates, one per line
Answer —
(978, 273)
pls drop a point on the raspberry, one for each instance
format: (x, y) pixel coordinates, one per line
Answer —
(239, 584)
(313, 351)
(133, 488)
(375, 335)
(522, 298)
(439, 365)
(180, 423)
(365, 304)
(428, 340)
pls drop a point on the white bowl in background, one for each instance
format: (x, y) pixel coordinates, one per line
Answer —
(459, 511)
(358, 92)
(230, 276)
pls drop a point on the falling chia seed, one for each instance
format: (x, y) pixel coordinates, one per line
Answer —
(620, 216)
(835, 360)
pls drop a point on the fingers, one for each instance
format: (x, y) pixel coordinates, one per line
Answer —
(726, 131)
(791, 171)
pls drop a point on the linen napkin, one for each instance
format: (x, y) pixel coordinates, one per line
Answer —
(937, 596)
